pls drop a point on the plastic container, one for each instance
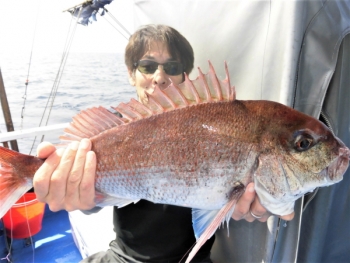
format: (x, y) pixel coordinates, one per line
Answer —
(24, 219)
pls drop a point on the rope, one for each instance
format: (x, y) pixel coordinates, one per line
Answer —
(52, 96)
(29, 230)
(30, 63)
(120, 24)
(8, 246)
(65, 54)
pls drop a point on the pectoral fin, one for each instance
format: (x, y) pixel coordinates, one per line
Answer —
(205, 222)
(201, 219)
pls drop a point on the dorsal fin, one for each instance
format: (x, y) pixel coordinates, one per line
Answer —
(205, 88)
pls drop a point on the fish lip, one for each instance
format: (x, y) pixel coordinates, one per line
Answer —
(334, 172)
(344, 152)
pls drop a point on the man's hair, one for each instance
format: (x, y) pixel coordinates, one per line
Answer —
(178, 46)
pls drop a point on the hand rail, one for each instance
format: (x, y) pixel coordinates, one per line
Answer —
(13, 135)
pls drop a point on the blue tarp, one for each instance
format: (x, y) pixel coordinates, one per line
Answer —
(88, 11)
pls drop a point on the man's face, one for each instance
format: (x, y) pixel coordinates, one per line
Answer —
(158, 52)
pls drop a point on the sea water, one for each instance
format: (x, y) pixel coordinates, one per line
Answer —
(88, 80)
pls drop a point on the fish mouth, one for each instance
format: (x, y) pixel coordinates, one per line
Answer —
(334, 172)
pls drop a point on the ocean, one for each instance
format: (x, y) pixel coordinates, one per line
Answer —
(88, 80)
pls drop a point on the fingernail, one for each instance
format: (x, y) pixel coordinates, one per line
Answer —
(251, 189)
(60, 152)
(90, 156)
(74, 146)
(84, 143)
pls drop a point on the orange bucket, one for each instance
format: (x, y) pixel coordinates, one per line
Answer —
(24, 219)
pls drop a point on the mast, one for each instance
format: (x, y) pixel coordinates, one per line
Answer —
(7, 113)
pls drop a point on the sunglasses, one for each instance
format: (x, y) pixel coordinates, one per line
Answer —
(172, 68)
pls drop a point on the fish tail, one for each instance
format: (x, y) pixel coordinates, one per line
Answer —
(12, 184)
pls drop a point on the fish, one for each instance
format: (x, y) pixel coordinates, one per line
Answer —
(195, 145)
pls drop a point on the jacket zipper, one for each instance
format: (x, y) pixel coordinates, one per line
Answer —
(328, 123)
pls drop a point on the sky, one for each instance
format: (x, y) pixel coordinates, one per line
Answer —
(41, 25)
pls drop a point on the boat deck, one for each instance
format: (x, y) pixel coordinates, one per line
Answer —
(54, 243)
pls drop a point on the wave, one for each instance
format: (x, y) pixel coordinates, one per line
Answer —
(88, 80)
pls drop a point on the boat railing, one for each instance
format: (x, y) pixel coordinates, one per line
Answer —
(37, 131)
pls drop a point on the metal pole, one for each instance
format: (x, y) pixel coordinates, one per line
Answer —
(6, 112)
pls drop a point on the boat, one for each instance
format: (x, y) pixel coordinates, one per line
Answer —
(293, 52)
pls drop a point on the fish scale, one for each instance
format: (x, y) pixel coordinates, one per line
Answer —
(195, 145)
(171, 156)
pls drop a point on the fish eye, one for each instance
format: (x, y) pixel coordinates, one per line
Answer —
(303, 142)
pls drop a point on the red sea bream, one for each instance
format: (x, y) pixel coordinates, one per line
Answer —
(195, 145)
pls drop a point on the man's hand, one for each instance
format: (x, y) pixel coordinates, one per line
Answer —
(66, 180)
(248, 207)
